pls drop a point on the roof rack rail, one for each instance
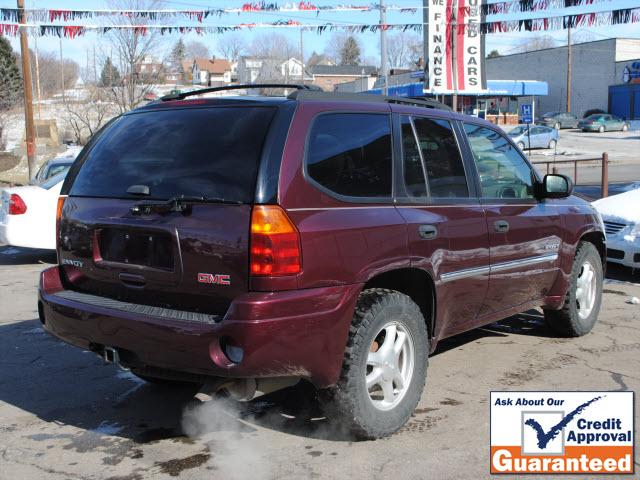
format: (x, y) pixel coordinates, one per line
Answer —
(183, 95)
(366, 97)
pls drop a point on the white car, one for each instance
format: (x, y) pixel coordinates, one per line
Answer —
(621, 215)
(28, 214)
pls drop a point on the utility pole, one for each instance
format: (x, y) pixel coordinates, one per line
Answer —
(383, 47)
(38, 93)
(301, 58)
(569, 69)
(30, 136)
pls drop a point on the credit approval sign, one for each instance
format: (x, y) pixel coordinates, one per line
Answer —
(562, 432)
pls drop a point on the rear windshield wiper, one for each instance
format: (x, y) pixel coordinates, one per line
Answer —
(179, 203)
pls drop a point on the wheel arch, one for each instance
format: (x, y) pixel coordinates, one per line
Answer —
(598, 239)
(417, 284)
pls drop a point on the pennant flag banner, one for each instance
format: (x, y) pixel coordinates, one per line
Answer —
(439, 22)
(40, 15)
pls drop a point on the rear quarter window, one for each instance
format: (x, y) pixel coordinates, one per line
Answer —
(209, 152)
(350, 154)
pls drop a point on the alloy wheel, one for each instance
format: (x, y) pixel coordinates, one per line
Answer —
(586, 287)
(390, 365)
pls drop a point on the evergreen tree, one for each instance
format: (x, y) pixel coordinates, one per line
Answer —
(110, 76)
(350, 52)
(10, 78)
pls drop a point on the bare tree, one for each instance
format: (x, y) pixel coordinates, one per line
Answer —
(130, 47)
(85, 117)
(272, 45)
(404, 49)
(538, 42)
(195, 49)
(50, 75)
(231, 47)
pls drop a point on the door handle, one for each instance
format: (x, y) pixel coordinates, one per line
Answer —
(501, 226)
(427, 232)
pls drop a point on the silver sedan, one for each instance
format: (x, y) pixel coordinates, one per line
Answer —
(538, 137)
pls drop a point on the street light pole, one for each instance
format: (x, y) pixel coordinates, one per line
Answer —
(30, 136)
(383, 47)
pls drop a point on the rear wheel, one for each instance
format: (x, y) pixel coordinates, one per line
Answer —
(384, 368)
(582, 302)
(625, 127)
(521, 145)
(557, 126)
(601, 129)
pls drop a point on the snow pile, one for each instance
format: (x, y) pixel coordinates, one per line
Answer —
(625, 206)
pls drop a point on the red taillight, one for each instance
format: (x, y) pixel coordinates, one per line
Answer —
(275, 243)
(17, 205)
(61, 200)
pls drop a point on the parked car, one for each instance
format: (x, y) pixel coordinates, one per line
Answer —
(592, 111)
(602, 122)
(622, 227)
(536, 137)
(28, 214)
(52, 168)
(559, 120)
(248, 243)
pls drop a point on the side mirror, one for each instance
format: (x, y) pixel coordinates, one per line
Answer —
(555, 185)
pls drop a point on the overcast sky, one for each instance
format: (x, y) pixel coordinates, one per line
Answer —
(503, 42)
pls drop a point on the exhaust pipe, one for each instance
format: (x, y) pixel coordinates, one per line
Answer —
(245, 389)
(110, 355)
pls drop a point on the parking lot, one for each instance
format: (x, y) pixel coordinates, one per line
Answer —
(64, 414)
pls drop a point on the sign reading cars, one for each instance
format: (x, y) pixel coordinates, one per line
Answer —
(562, 432)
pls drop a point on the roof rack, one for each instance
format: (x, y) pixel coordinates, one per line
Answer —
(366, 97)
(183, 95)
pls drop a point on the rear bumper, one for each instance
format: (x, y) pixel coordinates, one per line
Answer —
(300, 333)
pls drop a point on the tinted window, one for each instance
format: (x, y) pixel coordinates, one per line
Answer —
(445, 172)
(350, 154)
(210, 152)
(503, 172)
(413, 171)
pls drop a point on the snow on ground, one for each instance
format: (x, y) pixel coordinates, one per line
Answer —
(625, 206)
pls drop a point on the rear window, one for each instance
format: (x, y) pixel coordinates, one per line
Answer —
(208, 152)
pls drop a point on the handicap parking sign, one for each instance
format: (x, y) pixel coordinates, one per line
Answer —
(526, 113)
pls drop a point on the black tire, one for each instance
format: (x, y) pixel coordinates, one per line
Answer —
(567, 321)
(625, 127)
(557, 126)
(521, 146)
(350, 402)
(601, 129)
(552, 144)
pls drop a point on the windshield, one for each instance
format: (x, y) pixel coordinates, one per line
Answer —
(518, 131)
(201, 152)
(53, 181)
(550, 114)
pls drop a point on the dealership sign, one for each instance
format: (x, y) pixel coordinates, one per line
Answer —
(631, 74)
(455, 47)
(562, 432)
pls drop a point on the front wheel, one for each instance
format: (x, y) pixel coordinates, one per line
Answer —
(625, 127)
(521, 146)
(557, 126)
(384, 368)
(601, 129)
(580, 311)
(552, 144)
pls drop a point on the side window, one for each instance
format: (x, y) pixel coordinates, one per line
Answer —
(412, 168)
(503, 172)
(443, 163)
(350, 154)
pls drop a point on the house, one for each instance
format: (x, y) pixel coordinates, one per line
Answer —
(149, 70)
(249, 69)
(179, 75)
(292, 71)
(328, 76)
(211, 72)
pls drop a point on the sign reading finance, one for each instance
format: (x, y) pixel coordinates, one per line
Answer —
(461, 44)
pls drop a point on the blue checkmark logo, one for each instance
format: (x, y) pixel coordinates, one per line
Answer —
(545, 437)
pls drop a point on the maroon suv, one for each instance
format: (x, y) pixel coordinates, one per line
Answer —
(255, 241)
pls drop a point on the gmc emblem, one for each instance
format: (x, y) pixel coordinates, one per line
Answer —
(216, 279)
